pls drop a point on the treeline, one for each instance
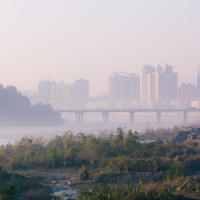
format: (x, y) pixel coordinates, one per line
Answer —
(119, 152)
(16, 109)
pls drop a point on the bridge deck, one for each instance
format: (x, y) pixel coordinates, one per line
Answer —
(127, 110)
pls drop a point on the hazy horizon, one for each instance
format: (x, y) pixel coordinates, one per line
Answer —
(68, 40)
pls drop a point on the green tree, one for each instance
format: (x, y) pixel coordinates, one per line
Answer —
(8, 193)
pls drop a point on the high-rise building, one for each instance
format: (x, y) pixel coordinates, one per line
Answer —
(134, 89)
(44, 90)
(118, 86)
(81, 93)
(166, 85)
(64, 95)
(187, 93)
(69, 95)
(148, 86)
(158, 87)
(198, 79)
(59, 93)
(124, 88)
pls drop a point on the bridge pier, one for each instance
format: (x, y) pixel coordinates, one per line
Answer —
(185, 117)
(158, 115)
(105, 117)
(132, 117)
(105, 113)
(79, 117)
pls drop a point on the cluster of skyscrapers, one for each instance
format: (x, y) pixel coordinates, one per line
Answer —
(159, 86)
(75, 95)
(155, 87)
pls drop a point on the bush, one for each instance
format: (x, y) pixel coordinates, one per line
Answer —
(105, 192)
(84, 174)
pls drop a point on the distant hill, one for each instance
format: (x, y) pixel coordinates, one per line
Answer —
(16, 109)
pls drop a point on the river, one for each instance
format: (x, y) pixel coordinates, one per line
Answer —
(92, 124)
(59, 181)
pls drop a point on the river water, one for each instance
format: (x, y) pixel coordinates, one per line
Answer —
(64, 192)
(92, 124)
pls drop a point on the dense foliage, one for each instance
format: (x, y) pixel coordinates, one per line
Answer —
(105, 192)
(114, 153)
(13, 187)
(16, 109)
(183, 188)
(118, 152)
(8, 193)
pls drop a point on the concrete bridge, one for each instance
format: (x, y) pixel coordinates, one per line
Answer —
(79, 113)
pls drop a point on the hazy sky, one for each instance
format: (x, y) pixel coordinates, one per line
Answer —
(69, 39)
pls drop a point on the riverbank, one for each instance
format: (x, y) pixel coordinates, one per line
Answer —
(58, 181)
(66, 183)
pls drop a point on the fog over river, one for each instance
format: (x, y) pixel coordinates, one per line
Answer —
(93, 124)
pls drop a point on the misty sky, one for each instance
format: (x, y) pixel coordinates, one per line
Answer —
(69, 39)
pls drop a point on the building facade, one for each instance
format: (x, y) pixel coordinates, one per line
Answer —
(124, 89)
(187, 93)
(75, 95)
(45, 90)
(148, 86)
(167, 84)
(159, 87)
(198, 78)
(81, 93)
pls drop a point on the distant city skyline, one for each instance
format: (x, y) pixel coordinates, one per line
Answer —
(68, 40)
(98, 86)
(153, 87)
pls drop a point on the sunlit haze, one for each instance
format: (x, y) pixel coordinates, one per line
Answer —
(95, 94)
(66, 40)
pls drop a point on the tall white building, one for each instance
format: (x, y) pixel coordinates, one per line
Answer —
(124, 89)
(187, 93)
(148, 86)
(44, 90)
(198, 79)
(59, 93)
(74, 95)
(159, 86)
(166, 85)
(81, 93)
